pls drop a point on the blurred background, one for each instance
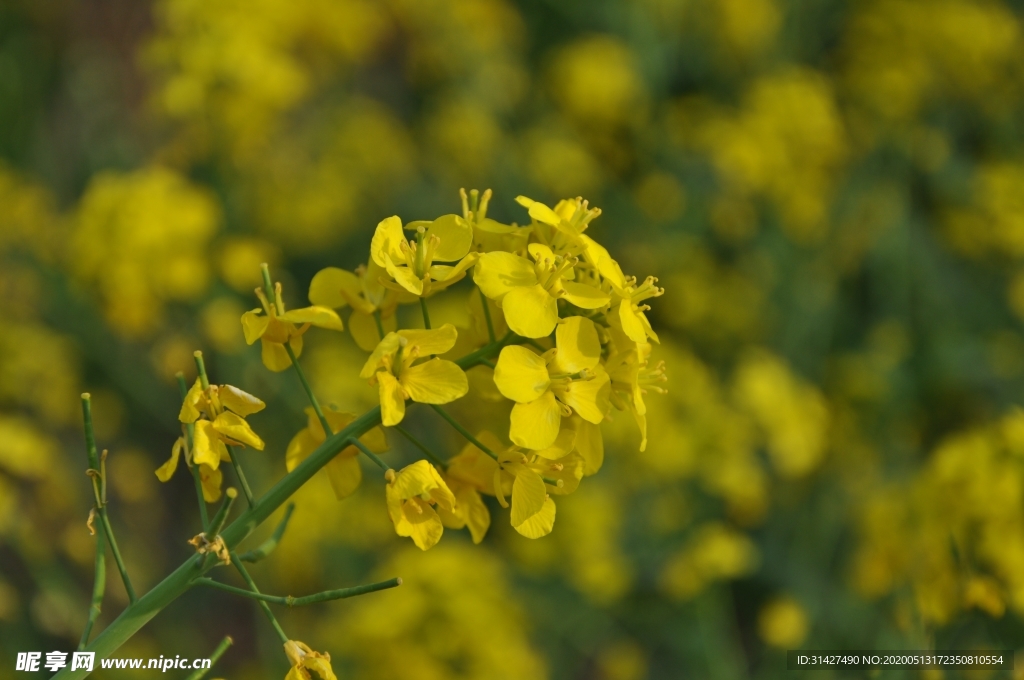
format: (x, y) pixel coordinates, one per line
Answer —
(829, 191)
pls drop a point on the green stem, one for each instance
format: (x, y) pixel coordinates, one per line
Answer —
(190, 436)
(488, 363)
(463, 431)
(204, 381)
(309, 390)
(426, 316)
(487, 315)
(380, 323)
(418, 444)
(137, 615)
(267, 546)
(268, 285)
(222, 513)
(214, 658)
(101, 510)
(253, 590)
(99, 584)
(354, 441)
(290, 601)
(241, 477)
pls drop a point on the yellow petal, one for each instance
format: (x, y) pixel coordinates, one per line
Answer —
(456, 237)
(589, 398)
(474, 467)
(474, 512)
(589, 444)
(535, 425)
(584, 296)
(392, 399)
(189, 412)
(405, 277)
(345, 475)
(539, 211)
(166, 471)
(210, 479)
(436, 341)
(578, 344)
(363, 328)
(497, 273)
(387, 346)
(386, 240)
(274, 355)
(239, 401)
(321, 317)
(540, 252)
(568, 469)
(299, 448)
(415, 480)
(598, 256)
(541, 523)
(327, 285)
(530, 311)
(234, 427)
(207, 449)
(521, 374)
(564, 443)
(631, 325)
(450, 275)
(427, 533)
(437, 381)
(254, 325)
(528, 494)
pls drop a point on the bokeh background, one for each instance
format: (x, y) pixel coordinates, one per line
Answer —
(830, 191)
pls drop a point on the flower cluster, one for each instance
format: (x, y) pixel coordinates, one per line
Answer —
(576, 343)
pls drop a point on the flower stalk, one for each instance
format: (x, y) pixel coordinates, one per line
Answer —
(289, 601)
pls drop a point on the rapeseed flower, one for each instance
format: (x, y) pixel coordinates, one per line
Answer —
(217, 414)
(411, 495)
(304, 660)
(276, 327)
(343, 470)
(410, 264)
(368, 297)
(565, 380)
(392, 366)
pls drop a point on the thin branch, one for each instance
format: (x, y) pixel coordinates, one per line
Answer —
(267, 546)
(354, 441)
(214, 658)
(418, 444)
(290, 601)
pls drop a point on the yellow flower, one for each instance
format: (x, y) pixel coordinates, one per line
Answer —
(304, 660)
(363, 291)
(561, 228)
(468, 474)
(631, 379)
(490, 235)
(218, 414)
(558, 383)
(627, 312)
(528, 292)
(411, 495)
(392, 367)
(276, 327)
(411, 263)
(343, 470)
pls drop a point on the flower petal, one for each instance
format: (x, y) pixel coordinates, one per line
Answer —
(437, 381)
(478, 517)
(530, 311)
(539, 211)
(189, 412)
(497, 273)
(541, 523)
(386, 240)
(568, 469)
(327, 285)
(589, 398)
(322, 317)
(345, 475)
(274, 355)
(210, 479)
(389, 345)
(456, 237)
(234, 427)
(363, 328)
(405, 277)
(528, 494)
(535, 425)
(392, 399)
(598, 256)
(578, 344)
(564, 443)
(415, 480)
(584, 296)
(299, 448)
(207, 449)
(436, 341)
(166, 471)
(239, 401)
(589, 444)
(631, 325)
(521, 374)
(254, 325)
